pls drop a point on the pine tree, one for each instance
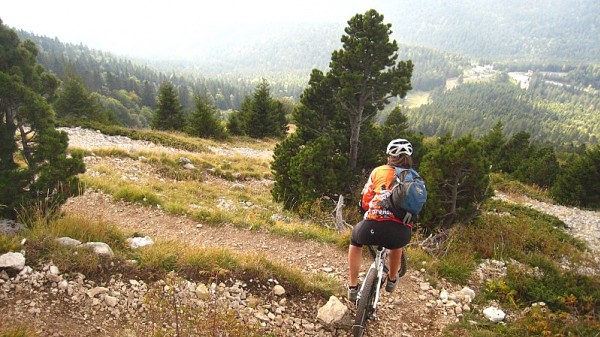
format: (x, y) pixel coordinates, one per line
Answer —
(27, 131)
(75, 102)
(457, 178)
(262, 115)
(492, 144)
(579, 181)
(366, 73)
(336, 112)
(541, 168)
(169, 113)
(203, 122)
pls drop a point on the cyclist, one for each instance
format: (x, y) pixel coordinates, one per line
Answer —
(380, 226)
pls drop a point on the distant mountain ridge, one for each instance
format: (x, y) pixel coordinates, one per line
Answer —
(544, 31)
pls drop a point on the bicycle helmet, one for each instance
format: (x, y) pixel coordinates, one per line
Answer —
(399, 146)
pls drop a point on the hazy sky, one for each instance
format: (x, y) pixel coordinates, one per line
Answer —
(163, 27)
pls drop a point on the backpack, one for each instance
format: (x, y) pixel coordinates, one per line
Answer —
(408, 195)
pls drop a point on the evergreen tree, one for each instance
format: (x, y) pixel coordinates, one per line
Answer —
(169, 113)
(148, 95)
(27, 131)
(335, 115)
(514, 152)
(365, 73)
(203, 122)
(541, 168)
(262, 115)
(492, 143)
(457, 178)
(235, 124)
(396, 123)
(75, 102)
(578, 183)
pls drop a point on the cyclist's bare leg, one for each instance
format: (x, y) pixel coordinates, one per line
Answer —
(354, 262)
(394, 256)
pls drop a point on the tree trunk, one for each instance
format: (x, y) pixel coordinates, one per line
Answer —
(454, 199)
(355, 124)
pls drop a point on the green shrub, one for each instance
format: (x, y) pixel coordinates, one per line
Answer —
(562, 291)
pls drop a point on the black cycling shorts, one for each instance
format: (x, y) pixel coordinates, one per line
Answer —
(389, 234)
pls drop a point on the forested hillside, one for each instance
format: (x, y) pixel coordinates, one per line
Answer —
(558, 41)
(128, 85)
(542, 32)
(549, 112)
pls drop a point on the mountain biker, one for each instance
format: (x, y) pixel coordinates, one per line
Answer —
(380, 226)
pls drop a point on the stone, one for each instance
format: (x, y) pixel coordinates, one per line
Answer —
(468, 292)
(10, 227)
(13, 261)
(444, 295)
(99, 248)
(334, 314)
(494, 314)
(202, 291)
(262, 317)
(111, 301)
(97, 291)
(67, 241)
(138, 242)
(278, 290)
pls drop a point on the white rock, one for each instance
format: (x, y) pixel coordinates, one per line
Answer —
(62, 285)
(494, 314)
(54, 270)
(138, 242)
(468, 292)
(444, 295)
(67, 241)
(97, 291)
(15, 261)
(278, 290)
(99, 248)
(334, 313)
(202, 291)
(111, 301)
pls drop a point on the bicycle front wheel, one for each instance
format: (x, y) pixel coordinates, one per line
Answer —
(365, 304)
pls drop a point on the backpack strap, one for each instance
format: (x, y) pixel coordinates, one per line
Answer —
(399, 170)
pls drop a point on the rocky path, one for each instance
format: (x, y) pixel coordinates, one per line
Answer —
(413, 310)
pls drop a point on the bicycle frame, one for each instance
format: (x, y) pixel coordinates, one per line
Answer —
(379, 267)
(368, 295)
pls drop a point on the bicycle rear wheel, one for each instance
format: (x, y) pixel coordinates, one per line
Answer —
(364, 309)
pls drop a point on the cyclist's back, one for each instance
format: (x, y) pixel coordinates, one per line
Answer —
(380, 226)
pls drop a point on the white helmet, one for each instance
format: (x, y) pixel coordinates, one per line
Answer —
(399, 146)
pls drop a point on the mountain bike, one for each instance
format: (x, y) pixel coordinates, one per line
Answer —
(368, 295)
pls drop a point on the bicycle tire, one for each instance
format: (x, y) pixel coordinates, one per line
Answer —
(365, 305)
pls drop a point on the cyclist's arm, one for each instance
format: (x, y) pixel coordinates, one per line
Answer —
(367, 194)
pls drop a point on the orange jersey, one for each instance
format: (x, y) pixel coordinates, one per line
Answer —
(379, 184)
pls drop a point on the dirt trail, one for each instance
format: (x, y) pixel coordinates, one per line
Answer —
(406, 312)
